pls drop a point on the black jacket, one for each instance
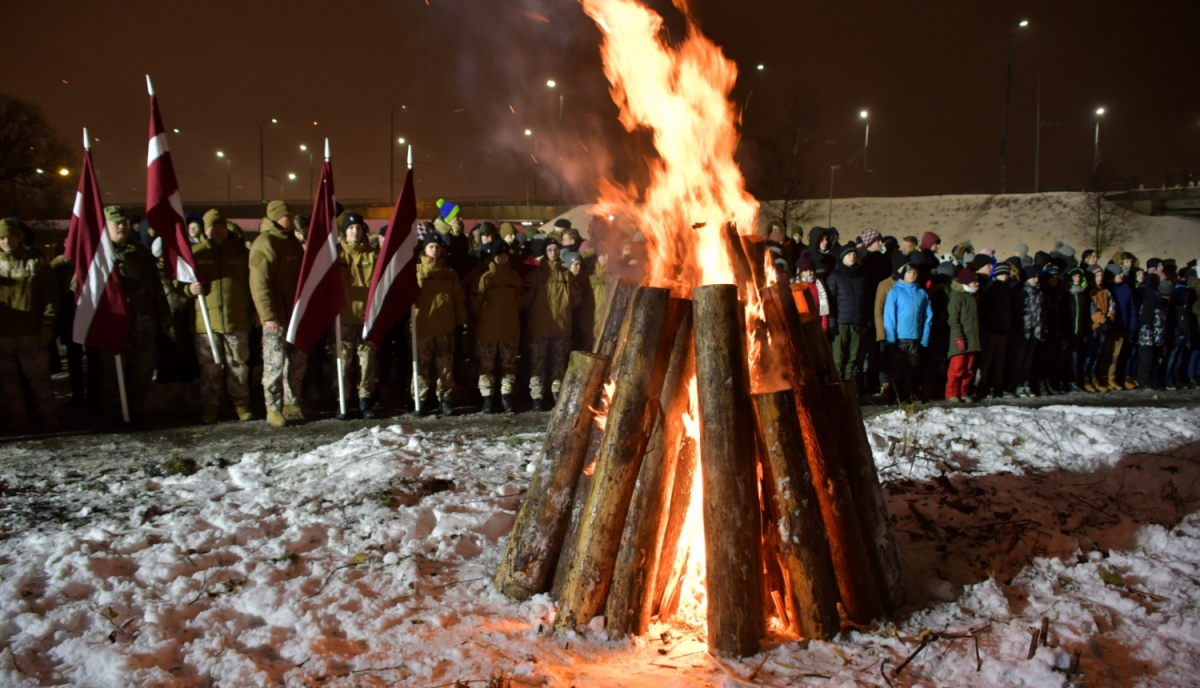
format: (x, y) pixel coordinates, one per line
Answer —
(848, 303)
(996, 308)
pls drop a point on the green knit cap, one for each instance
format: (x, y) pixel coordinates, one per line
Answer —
(276, 210)
(213, 218)
(114, 213)
(10, 228)
(506, 230)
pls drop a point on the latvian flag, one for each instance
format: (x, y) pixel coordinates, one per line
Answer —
(164, 210)
(394, 283)
(100, 317)
(319, 297)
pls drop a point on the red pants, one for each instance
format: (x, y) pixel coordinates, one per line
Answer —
(959, 376)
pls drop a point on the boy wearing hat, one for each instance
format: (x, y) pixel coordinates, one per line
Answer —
(963, 318)
(995, 322)
(28, 295)
(224, 266)
(1028, 329)
(1102, 312)
(441, 310)
(848, 312)
(550, 294)
(356, 259)
(275, 259)
(496, 300)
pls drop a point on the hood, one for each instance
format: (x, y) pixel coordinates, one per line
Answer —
(814, 238)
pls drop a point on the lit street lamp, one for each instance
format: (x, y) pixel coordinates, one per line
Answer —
(1096, 152)
(303, 149)
(866, 137)
(1007, 110)
(228, 176)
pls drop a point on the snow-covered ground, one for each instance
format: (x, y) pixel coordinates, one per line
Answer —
(368, 562)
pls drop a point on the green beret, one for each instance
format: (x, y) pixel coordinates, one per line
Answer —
(10, 228)
(213, 218)
(114, 213)
(276, 210)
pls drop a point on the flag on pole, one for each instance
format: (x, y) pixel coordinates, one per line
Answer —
(394, 284)
(101, 320)
(319, 296)
(164, 209)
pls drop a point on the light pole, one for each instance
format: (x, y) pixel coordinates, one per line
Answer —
(228, 175)
(304, 149)
(529, 132)
(866, 137)
(1037, 139)
(262, 188)
(832, 168)
(1096, 151)
(1007, 109)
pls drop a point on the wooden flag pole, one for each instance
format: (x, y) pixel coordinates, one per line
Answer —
(121, 389)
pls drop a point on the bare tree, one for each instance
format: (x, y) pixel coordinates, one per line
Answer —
(778, 152)
(32, 157)
(1101, 224)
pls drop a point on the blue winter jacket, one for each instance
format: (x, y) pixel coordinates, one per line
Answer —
(1126, 320)
(907, 313)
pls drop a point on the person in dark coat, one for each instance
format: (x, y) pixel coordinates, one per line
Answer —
(1078, 326)
(821, 243)
(1183, 336)
(876, 268)
(963, 318)
(995, 322)
(1131, 317)
(1153, 330)
(848, 313)
(1028, 329)
(1051, 355)
(1116, 349)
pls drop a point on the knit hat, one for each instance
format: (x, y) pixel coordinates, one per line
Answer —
(549, 241)
(1050, 270)
(448, 210)
(1064, 250)
(352, 219)
(899, 260)
(946, 268)
(568, 258)
(870, 236)
(193, 218)
(1165, 288)
(277, 210)
(114, 213)
(928, 239)
(212, 218)
(806, 262)
(1002, 269)
(487, 227)
(506, 230)
(1153, 263)
(846, 250)
(1115, 268)
(966, 276)
(496, 248)
(10, 228)
(1029, 272)
(980, 261)
(434, 238)
(1095, 268)
(1022, 250)
(562, 223)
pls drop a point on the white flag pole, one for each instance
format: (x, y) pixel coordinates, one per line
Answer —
(413, 320)
(121, 389)
(337, 323)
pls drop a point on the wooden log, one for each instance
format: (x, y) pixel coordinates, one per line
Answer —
(730, 480)
(631, 597)
(804, 547)
(755, 249)
(616, 314)
(651, 333)
(808, 333)
(742, 274)
(845, 415)
(538, 534)
(669, 576)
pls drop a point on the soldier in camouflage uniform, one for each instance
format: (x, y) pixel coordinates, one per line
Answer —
(441, 309)
(496, 300)
(356, 258)
(224, 266)
(275, 259)
(551, 292)
(149, 316)
(28, 295)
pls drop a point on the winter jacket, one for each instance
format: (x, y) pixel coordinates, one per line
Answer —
(28, 293)
(963, 317)
(821, 298)
(826, 261)
(1183, 321)
(876, 268)
(1028, 314)
(225, 270)
(145, 298)
(1079, 311)
(441, 304)
(1102, 309)
(1124, 298)
(847, 297)
(358, 265)
(881, 293)
(275, 258)
(907, 313)
(1056, 313)
(496, 300)
(551, 291)
(1152, 317)
(996, 307)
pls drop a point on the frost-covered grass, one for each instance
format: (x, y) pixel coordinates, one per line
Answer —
(368, 562)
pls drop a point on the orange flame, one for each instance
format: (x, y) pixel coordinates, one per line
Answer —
(690, 556)
(602, 413)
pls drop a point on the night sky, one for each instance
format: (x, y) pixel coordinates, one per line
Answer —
(932, 75)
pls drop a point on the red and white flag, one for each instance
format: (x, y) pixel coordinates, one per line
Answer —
(319, 296)
(101, 320)
(394, 284)
(164, 209)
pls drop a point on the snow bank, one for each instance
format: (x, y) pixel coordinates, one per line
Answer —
(368, 562)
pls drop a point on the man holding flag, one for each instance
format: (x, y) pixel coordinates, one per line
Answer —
(275, 259)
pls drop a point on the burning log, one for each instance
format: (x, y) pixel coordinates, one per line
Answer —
(655, 319)
(755, 249)
(867, 493)
(537, 537)
(804, 548)
(631, 598)
(667, 582)
(616, 313)
(808, 334)
(727, 455)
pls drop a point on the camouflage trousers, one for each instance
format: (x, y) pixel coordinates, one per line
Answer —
(358, 362)
(435, 358)
(491, 354)
(139, 358)
(24, 353)
(234, 348)
(283, 372)
(547, 353)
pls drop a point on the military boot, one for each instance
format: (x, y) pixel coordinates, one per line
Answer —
(244, 413)
(275, 419)
(447, 408)
(367, 408)
(488, 407)
(506, 403)
(536, 405)
(293, 412)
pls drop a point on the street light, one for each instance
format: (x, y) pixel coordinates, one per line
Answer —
(228, 175)
(551, 83)
(401, 141)
(62, 172)
(528, 132)
(1007, 109)
(291, 176)
(863, 115)
(262, 187)
(1096, 151)
(761, 67)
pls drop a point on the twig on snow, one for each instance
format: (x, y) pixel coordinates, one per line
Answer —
(759, 667)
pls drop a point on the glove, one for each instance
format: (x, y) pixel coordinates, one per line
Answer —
(961, 345)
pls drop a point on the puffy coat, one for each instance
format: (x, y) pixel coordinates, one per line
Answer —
(225, 270)
(1056, 319)
(551, 291)
(357, 264)
(28, 293)
(848, 303)
(441, 305)
(496, 301)
(1079, 310)
(996, 307)
(1029, 316)
(1152, 317)
(908, 313)
(963, 317)
(1184, 321)
(1125, 299)
(275, 258)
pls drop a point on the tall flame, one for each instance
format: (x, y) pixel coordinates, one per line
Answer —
(681, 94)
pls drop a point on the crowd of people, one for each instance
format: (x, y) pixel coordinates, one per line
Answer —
(501, 306)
